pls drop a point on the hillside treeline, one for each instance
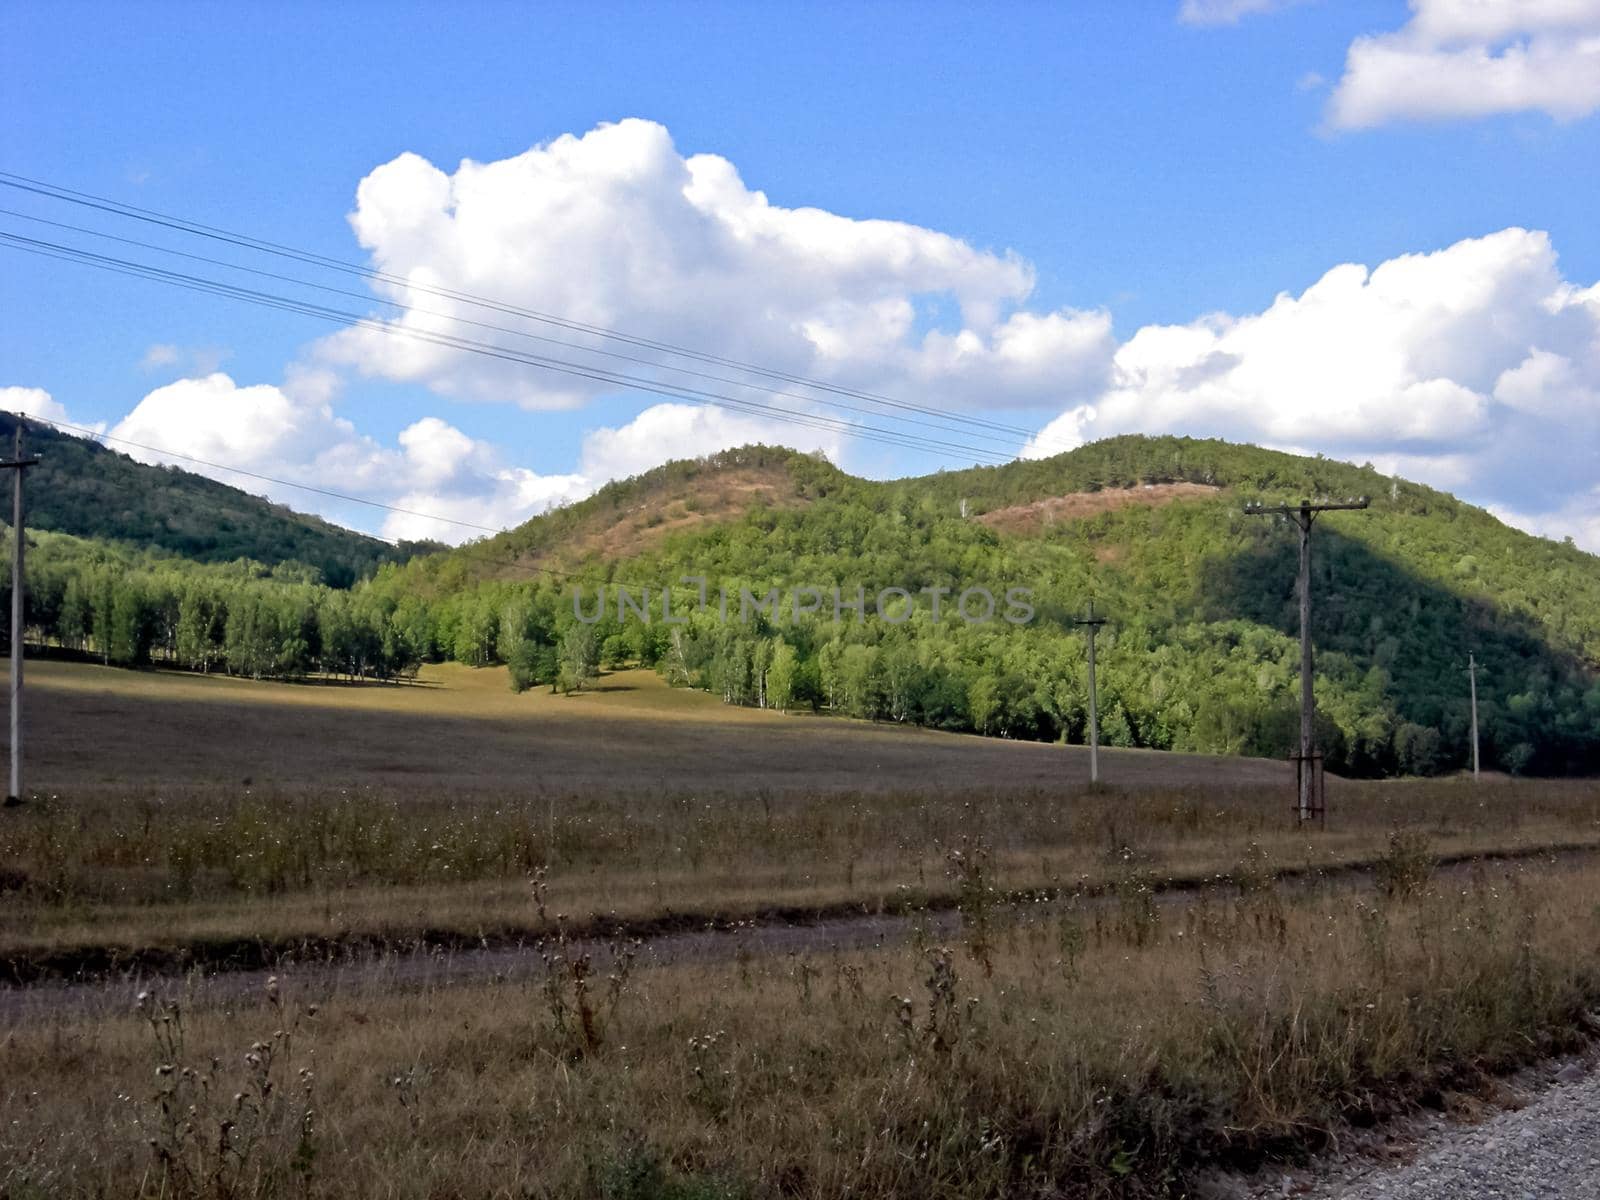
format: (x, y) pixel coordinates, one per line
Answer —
(1201, 653)
(129, 608)
(83, 488)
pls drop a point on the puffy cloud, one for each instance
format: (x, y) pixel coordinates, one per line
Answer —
(292, 433)
(1228, 12)
(1475, 368)
(33, 402)
(434, 470)
(262, 428)
(1472, 58)
(616, 228)
(448, 474)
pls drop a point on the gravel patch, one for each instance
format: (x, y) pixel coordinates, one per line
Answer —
(1544, 1145)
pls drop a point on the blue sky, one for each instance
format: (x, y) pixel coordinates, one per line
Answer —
(1114, 170)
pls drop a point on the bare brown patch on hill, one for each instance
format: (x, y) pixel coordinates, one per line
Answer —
(708, 499)
(1040, 514)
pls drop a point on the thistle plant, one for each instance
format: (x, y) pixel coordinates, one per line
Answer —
(219, 1133)
(581, 1019)
(975, 899)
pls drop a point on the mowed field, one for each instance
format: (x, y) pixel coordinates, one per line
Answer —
(1064, 991)
(96, 728)
(178, 818)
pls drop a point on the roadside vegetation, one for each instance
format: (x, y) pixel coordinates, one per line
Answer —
(254, 876)
(1039, 988)
(1078, 1048)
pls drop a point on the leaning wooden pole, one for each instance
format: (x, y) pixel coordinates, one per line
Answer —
(1472, 679)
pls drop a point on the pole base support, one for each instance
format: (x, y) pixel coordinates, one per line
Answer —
(1317, 794)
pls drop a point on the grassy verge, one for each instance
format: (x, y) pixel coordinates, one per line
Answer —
(1117, 1049)
(241, 878)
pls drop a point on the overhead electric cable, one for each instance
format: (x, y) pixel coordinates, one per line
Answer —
(586, 371)
(521, 333)
(105, 204)
(469, 549)
(216, 466)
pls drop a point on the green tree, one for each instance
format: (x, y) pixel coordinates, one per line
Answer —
(578, 656)
(782, 676)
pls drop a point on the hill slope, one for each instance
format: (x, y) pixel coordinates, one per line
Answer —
(89, 490)
(1201, 654)
(630, 517)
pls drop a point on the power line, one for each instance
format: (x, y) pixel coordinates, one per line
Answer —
(520, 333)
(210, 286)
(468, 550)
(585, 371)
(305, 487)
(259, 245)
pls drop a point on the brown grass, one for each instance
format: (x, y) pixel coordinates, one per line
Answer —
(287, 815)
(1113, 1050)
(706, 499)
(1075, 1037)
(238, 871)
(1039, 514)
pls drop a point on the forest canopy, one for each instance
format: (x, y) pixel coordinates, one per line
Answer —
(1201, 652)
(84, 488)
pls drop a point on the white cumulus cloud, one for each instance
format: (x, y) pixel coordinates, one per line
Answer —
(1475, 368)
(291, 434)
(616, 228)
(261, 427)
(1473, 58)
(444, 473)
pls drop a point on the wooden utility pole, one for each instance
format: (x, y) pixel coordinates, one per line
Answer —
(1309, 802)
(1472, 680)
(1092, 623)
(17, 464)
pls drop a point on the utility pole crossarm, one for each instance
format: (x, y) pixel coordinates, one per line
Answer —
(1309, 508)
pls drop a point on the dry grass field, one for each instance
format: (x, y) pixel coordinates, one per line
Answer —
(1089, 992)
(461, 730)
(224, 821)
(1119, 1048)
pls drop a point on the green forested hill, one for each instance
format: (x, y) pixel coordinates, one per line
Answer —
(86, 489)
(1201, 652)
(627, 517)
